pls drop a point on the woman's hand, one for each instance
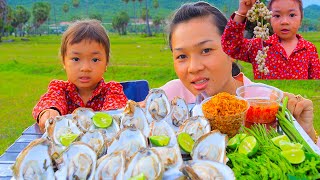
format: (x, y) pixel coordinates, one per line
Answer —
(47, 113)
(302, 111)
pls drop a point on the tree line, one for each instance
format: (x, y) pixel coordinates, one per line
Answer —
(19, 20)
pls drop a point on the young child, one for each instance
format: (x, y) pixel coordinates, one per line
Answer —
(85, 56)
(289, 55)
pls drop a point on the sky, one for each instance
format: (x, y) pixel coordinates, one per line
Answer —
(309, 2)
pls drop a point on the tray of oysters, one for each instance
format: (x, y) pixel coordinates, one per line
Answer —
(163, 140)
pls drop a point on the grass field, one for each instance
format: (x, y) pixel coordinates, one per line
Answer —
(27, 67)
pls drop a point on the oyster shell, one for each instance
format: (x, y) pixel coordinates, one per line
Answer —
(32, 165)
(111, 166)
(211, 146)
(179, 113)
(195, 126)
(59, 126)
(172, 161)
(162, 128)
(77, 162)
(205, 169)
(133, 115)
(146, 161)
(157, 105)
(96, 140)
(83, 117)
(128, 139)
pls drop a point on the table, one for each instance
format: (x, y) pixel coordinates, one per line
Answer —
(9, 156)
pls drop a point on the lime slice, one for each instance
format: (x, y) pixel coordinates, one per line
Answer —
(285, 145)
(277, 139)
(248, 146)
(67, 139)
(185, 142)
(102, 120)
(141, 176)
(159, 140)
(294, 156)
(235, 141)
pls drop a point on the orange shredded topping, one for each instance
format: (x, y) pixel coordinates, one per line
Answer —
(224, 104)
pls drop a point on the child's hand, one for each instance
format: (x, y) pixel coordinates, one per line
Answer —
(245, 6)
(48, 113)
(302, 111)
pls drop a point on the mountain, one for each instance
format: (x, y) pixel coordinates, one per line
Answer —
(312, 12)
(109, 8)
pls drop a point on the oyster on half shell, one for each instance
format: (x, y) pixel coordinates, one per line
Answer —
(133, 115)
(162, 128)
(157, 105)
(179, 112)
(59, 126)
(96, 140)
(83, 118)
(77, 162)
(146, 161)
(211, 146)
(32, 165)
(128, 139)
(195, 126)
(111, 166)
(209, 170)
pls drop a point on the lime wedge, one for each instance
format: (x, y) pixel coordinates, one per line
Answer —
(141, 176)
(185, 142)
(277, 139)
(294, 156)
(67, 139)
(235, 141)
(102, 120)
(159, 140)
(248, 146)
(285, 145)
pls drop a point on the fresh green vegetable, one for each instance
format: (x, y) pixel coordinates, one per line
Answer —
(286, 123)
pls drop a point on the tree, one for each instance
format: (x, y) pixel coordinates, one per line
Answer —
(155, 4)
(20, 17)
(157, 21)
(75, 3)
(40, 12)
(3, 7)
(65, 8)
(96, 16)
(305, 24)
(120, 23)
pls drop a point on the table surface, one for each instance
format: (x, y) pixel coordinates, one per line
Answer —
(8, 158)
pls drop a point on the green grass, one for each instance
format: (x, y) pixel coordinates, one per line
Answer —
(26, 68)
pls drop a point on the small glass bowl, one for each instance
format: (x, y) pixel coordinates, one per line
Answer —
(229, 124)
(264, 102)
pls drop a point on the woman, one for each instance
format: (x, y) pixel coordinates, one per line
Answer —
(201, 65)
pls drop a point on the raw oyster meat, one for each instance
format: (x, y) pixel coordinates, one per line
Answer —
(178, 114)
(128, 139)
(77, 162)
(96, 140)
(146, 161)
(211, 146)
(133, 115)
(195, 126)
(60, 126)
(111, 166)
(209, 170)
(157, 105)
(162, 128)
(83, 117)
(30, 164)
